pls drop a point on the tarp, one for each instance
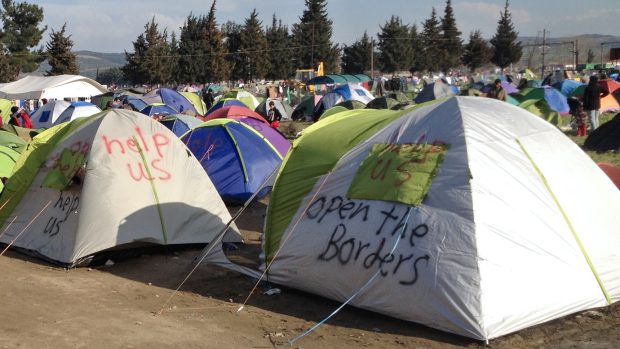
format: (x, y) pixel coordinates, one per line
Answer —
(237, 158)
(332, 79)
(114, 179)
(52, 87)
(606, 137)
(500, 241)
(285, 109)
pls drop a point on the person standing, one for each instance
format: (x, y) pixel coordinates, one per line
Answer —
(273, 115)
(592, 101)
(208, 99)
(20, 118)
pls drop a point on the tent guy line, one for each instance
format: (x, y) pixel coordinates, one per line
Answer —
(24, 229)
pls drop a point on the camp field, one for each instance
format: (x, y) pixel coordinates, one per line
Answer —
(117, 306)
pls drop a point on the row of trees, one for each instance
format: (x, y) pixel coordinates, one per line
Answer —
(437, 47)
(204, 51)
(19, 36)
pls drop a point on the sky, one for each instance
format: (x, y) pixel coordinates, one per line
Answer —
(112, 25)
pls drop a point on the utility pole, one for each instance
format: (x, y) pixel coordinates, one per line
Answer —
(372, 62)
(576, 53)
(544, 42)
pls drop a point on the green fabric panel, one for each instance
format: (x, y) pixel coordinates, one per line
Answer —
(8, 158)
(5, 108)
(314, 154)
(29, 163)
(331, 111)
(10, 140)
(397, 172)
(61, 175)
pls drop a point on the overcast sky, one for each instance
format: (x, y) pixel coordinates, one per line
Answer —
(112, 25)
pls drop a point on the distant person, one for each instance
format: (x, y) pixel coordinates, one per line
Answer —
(497, 91)
(208, 99)
(579, 116)
(43, 101)
(592, 101)
(20, 118)
(117, 102)
(273, 115)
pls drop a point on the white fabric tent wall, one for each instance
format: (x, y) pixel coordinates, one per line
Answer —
(497, 254)
(45, 116)
(117, 204)
(52, 87)
(75, 111)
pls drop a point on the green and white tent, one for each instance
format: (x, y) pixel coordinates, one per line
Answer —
(110, 180)
(461, 215)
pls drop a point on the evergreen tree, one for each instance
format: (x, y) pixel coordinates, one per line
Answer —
(431, 44)
(254, 48)
(356, 58)
(451, 43)
(59, 55)
(280, 53)
(191, 47)
(174, 58)
(20, 33)
(477, 51)
(235, 59)
(417, 50)
(111, 76)
(312, 38)
(8, 72)
(218, 68)
(150, 61)
(505, 48)
(394, 46)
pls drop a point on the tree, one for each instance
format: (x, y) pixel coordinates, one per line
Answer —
(59, 55)
(218, 68)
(150, 61)
(110, 76)
(451, 43)
(431, 43)
(280, 53)
(590, 57)
(254, 48)
(477, 51)
(232, 33)
(20, 33)
(394, 46)
(506, 48)
(191, 61)
(173, 47)
(417, 51)
(8, 72)
(312, 38)
(356, 58)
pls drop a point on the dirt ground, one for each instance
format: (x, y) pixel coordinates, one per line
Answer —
(117, 306)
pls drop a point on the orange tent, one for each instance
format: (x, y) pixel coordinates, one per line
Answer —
(609, 102)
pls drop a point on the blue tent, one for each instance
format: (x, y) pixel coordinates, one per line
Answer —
(179, 124)
(158, 108)
(135, 102)
(225, 102)
(567, 86)
(436, 90)
(171, 98)
(237, 158)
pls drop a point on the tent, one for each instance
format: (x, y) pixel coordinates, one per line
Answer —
(257, 122)
(556, 100)
(285, 109)
(383, 103)
(137, 103)
(52, 87)
(225, 102)
(12, 141)
(77, 110)
(102, 100)
(567, 86)
(613, 172)
(237, 158)
(46, 115)
(171, 98)
(332, 111)
(5, 109)
(196, 101)
(342, 93)
(606, 137)
(159, 109)
(436, 90)
(243, 96)
(458, 215)
(113, 180)
(305, 109)
(508, 87)
(541, 108)
(179, 124)
(8, 158)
